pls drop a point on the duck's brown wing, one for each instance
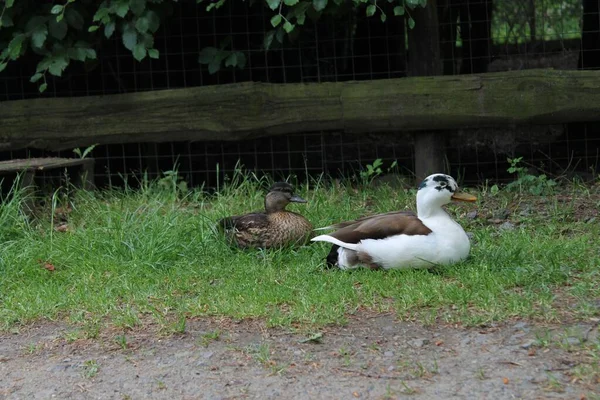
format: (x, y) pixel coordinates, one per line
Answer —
(380, 226)
(244, 222)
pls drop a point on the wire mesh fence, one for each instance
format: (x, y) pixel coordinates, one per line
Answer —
(475, 36)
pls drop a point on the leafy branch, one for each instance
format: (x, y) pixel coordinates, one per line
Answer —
(71, 30)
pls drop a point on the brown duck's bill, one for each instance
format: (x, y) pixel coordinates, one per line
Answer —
(297, 199)
(463, 197)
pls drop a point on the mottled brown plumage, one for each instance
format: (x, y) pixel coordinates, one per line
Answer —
(275, 227)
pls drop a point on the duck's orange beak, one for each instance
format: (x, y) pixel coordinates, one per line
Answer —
(460, 196)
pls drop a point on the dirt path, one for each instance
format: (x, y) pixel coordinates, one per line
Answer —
(371, 358)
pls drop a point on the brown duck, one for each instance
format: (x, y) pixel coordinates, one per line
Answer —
(275, 227)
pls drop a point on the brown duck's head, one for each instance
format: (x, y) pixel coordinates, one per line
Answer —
(280, 195)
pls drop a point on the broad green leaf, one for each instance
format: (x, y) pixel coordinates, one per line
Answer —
(279, 35)
(290, 2)
(268, 39)
(371, 10)
(273, 4)
(58, 65)
(34, 23)
(214, 66)
(57, 9)
(241, 59)
(383, 17)
(288, 27)
(147, 39)
(121, 9)
(275, 20)
(102, 13)
(300, 18)
(423, 3)
(6, 20)
(14, 47)
(139, 52)
(91, 54)
(153, 20)
(9, 3)
(232, 60)
(398, 10)
(153, 53)
(412, 3)
(36, 77)
(207, 55)
(129, 37)
(142, 24)
(38, 36)
(319, 5)
(74, 19)
(58, 29)
(137, 6)
(93, 28)
(411, 23)
(109, 29)
(43, 87)
(77, 53)
(2, 66)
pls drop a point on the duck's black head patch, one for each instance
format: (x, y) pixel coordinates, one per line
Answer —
(443, 182)
(424, 183)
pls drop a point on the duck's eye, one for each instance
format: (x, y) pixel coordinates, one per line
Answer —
(443, 184)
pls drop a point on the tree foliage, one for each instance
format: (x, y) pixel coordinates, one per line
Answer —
(58, 33)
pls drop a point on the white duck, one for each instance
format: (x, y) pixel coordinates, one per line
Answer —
(401, 239)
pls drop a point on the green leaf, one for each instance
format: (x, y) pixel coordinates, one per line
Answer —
(57, 9)
(6, 20)
(153, 20)
(34, 23)
(122, 8)
(101, 14)
(137, 6)
(39, 35)
(142, 24)
(36, 77)
(300, 19)
(3, 66)
(43, 87)
(207, 55)
(129, 37)
(411, 23)
(14, 47)
(139, 52)
(288, 27)
(147, 40)
(109, 29)
(279, 35)
(275, 20)
(74, 19)
(290, 2)
(93, 28)
(412, 3)
(371, 10)
(319, 5)
(75, 53)
(273, 4)
(153, 53)
(268, 39)
(9, 3)
(58, 29)
(232, 60)
(383, 17)
(398, 10)
(58, 65)
(214, 66)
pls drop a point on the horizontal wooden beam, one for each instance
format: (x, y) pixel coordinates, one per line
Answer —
(250, 110)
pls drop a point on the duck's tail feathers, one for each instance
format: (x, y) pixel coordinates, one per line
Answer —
(331, 239)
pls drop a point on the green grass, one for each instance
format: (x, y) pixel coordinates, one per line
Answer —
(153, 255)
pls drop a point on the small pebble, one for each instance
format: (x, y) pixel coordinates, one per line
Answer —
(418, 342)
(507, 226)
(389, 354)
(472, 215)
